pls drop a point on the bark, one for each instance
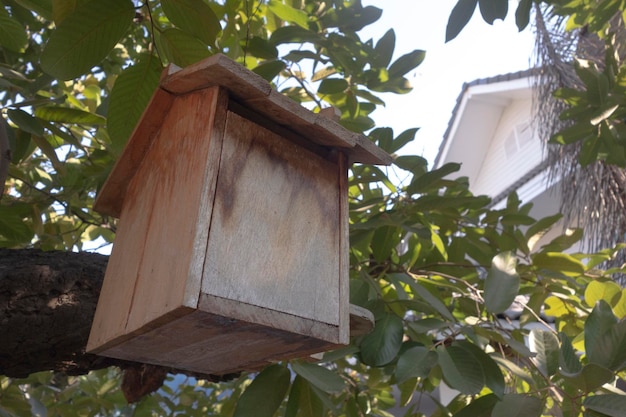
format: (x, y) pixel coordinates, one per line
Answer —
(47, 304)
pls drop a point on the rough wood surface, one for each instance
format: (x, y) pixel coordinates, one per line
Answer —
(212, 344)
(111, 198)
(163, 231)
(277, 214)
(344, 251)
(47, 304)
(254, 92)
(216, 70)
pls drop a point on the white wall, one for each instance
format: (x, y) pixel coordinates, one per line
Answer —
(512, 153)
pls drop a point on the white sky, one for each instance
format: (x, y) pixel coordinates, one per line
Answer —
(479, 51)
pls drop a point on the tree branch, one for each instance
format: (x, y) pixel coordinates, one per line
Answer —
(5, 154)
(47, 304)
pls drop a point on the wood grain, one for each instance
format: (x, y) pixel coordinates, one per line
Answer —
(216, 70)
(111, 197)
(156, 263)
(213, 344)
(277, 215)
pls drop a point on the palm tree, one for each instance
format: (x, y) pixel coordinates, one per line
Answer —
(593, 196)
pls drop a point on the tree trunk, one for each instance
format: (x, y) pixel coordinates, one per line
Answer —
(47, 304)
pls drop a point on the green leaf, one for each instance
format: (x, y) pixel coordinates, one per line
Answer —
(612, 405)
(598, 323)
(61, 9)
(68, 115)
(559, 262)
(289, 14)
(262, 48)
(502, 283)
(460, 370)
(423, 182)
(332, 86)
(381, 346)
(406, 63)
(12, 34)
(13, 229)
(384, 241)
(433, 301)
(542, 225)
(353, 19)
(415, 362)
(522, 14)
(181, 48)
(42, 7)
(293, 34)
(194, 17)
(403, 139)
(85, 37)
(493, 9)
(590, 378)
(610, 351)
(491, 372)
(129, 97)
(269, 69)
(518, 405)
(608, 291)
(265, 394)
(303, 401)
(411, 163)
(459, 17)
(26, 122)
(574, 133)
(546, 345)
(322, 378)
(568, 360)
(384, 49)
(480, 407)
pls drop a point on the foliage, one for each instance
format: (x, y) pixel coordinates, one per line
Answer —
(595, 108)
(435, 265)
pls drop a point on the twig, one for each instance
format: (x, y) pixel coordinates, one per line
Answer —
(5, 154)
(152, 27)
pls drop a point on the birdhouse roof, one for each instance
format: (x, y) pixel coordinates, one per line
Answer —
(249, 90)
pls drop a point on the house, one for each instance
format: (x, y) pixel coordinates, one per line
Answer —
(491, 134)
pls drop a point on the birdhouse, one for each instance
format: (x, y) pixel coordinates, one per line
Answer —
(232, 245)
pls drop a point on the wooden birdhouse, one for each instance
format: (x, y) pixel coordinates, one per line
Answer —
(232, 244)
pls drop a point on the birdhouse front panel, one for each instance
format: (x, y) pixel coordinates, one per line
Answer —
(276, 227)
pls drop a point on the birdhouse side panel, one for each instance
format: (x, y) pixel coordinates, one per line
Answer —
(156, 264)
(275, 232)
(178, 176)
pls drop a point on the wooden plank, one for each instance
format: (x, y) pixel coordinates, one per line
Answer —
(344, 251)
(314, 127)
(157, 260)
(173, 178)
(253, 91)
(207, 195)
(216, 70)
(212, 344)
(361, 321)
(118, 288)
(274, 239)
(272, 318)
(111, 197)
(366, 152)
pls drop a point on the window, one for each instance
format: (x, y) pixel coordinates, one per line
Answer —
(519, 137)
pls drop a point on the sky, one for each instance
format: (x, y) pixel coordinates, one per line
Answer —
(479, 51)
